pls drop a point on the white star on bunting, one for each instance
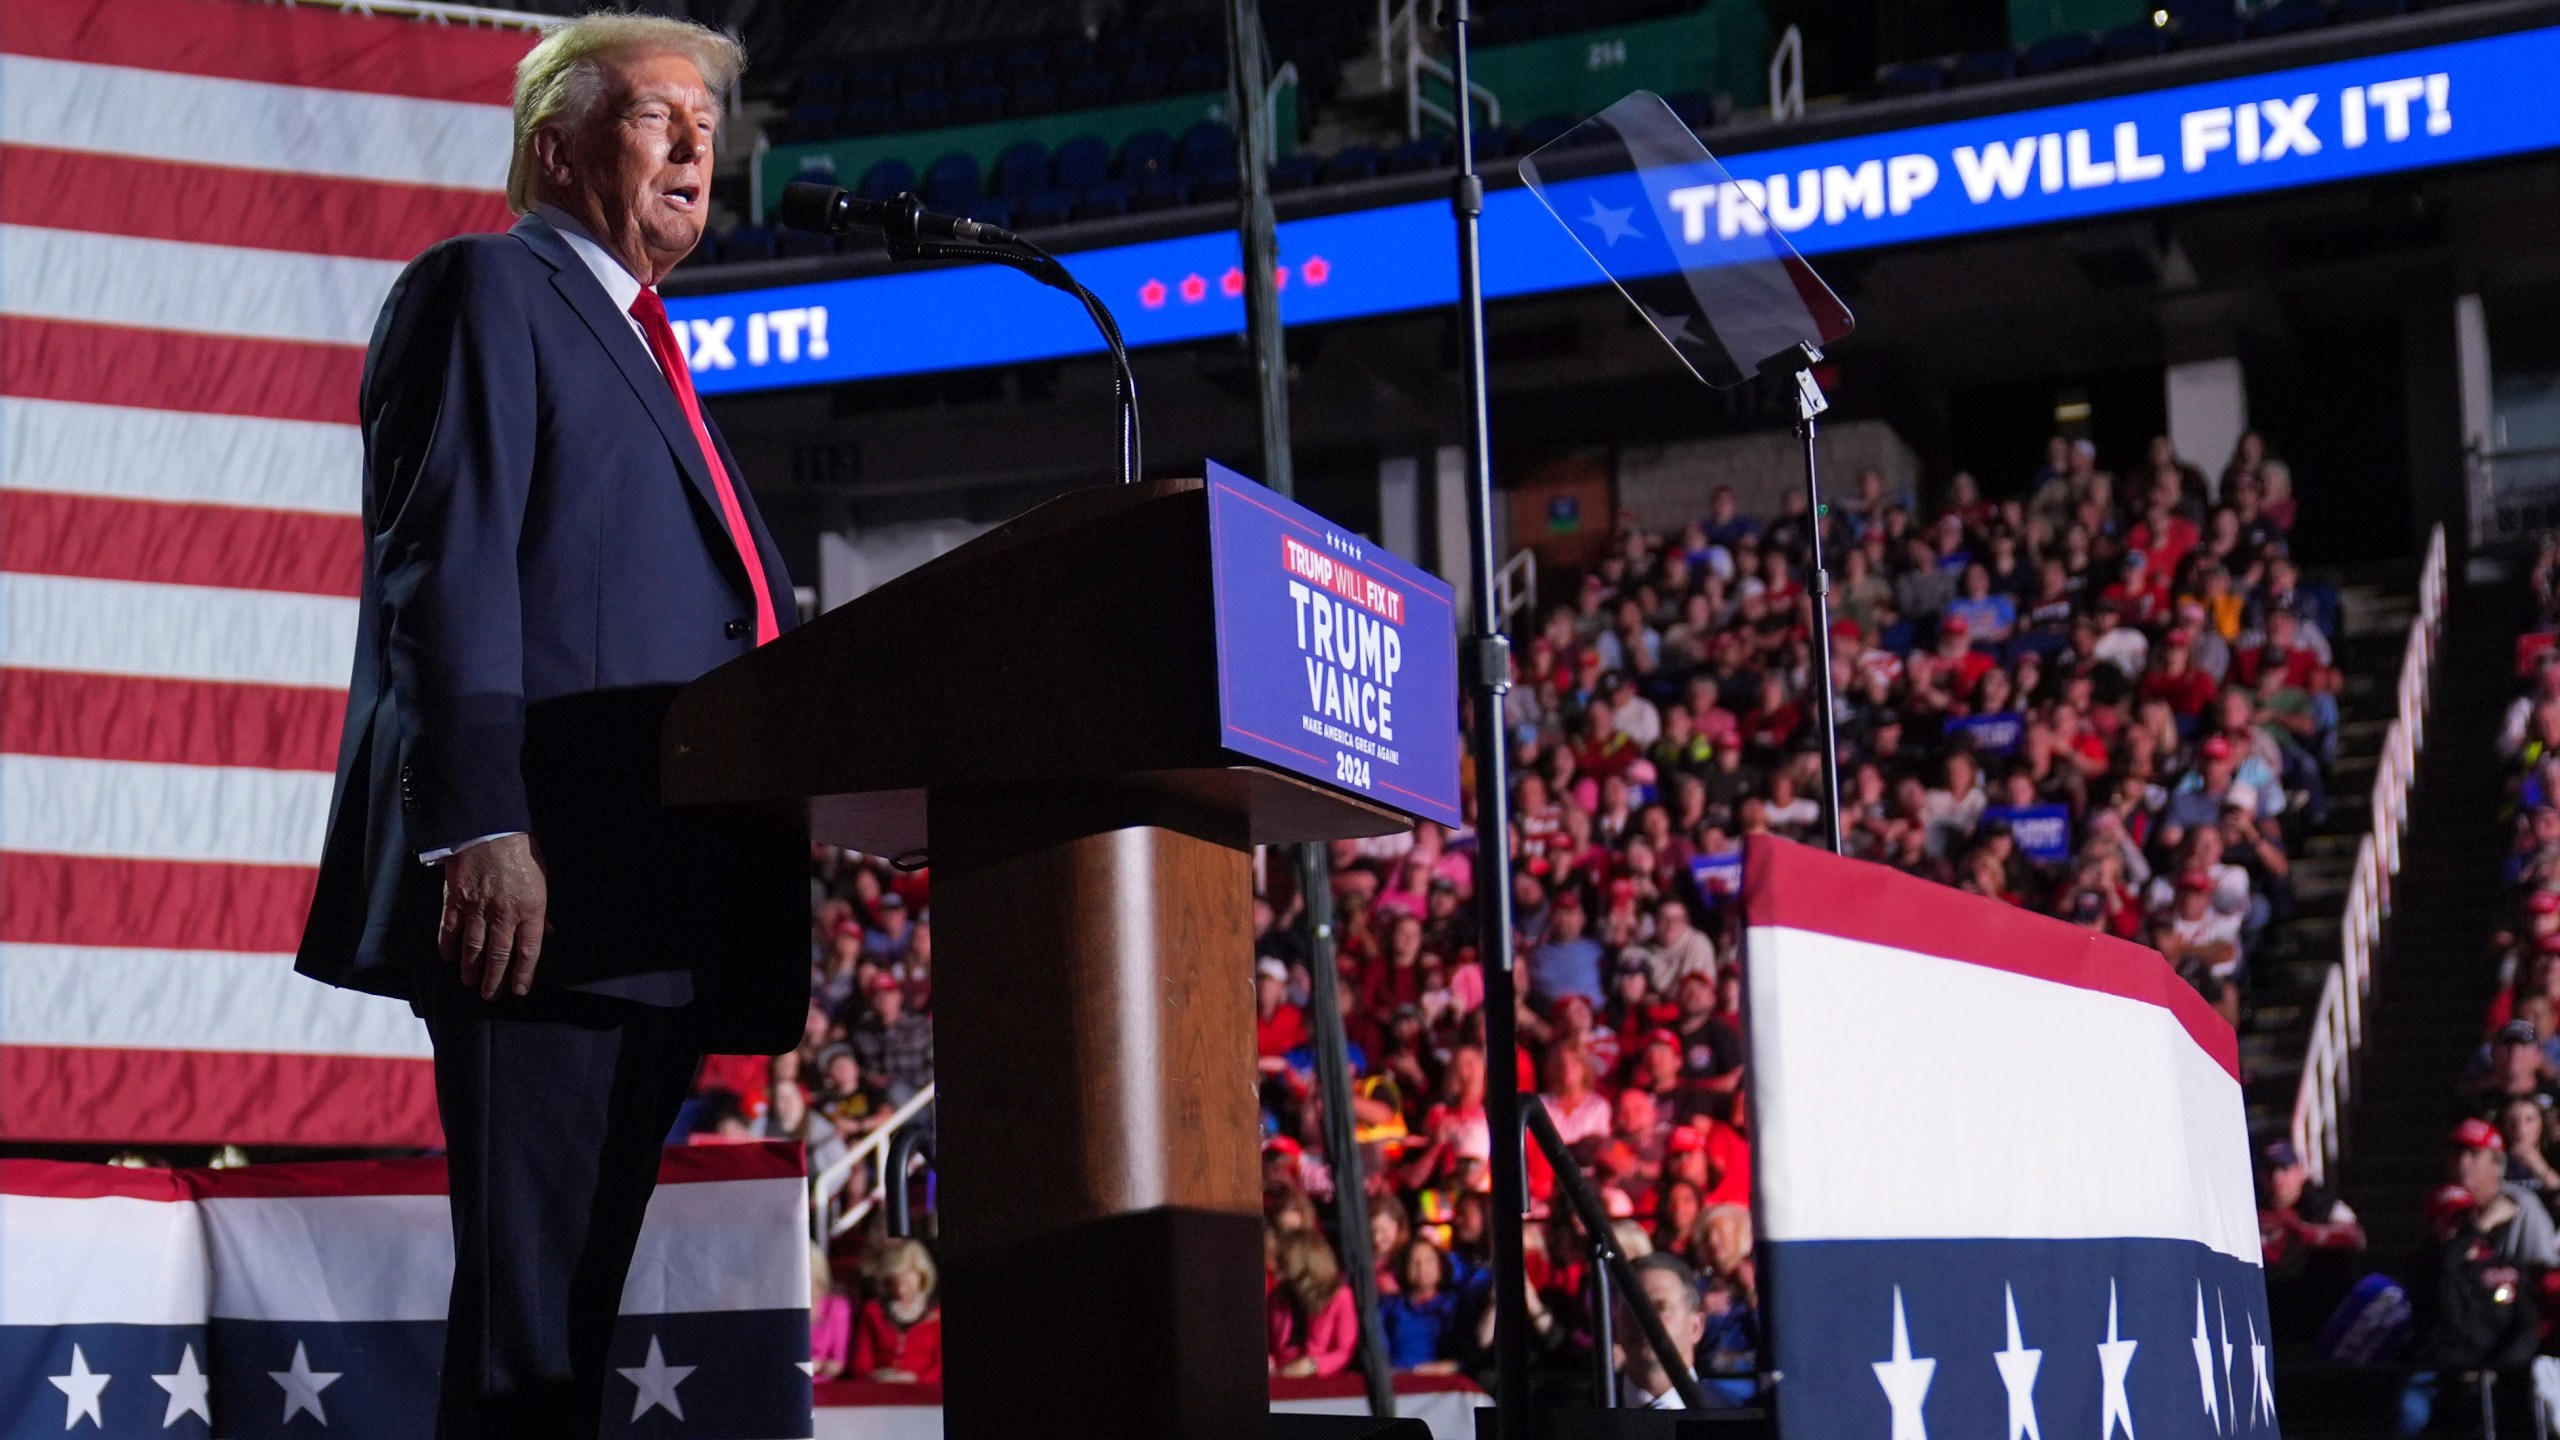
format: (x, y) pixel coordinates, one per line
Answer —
(656, 1382)
(2203, 1344)
(2018, 1366)
(190, 1391)
(1905, 1380)
(2115, 1361)
(2230, 1406)
(2262, 1395)
(80, 1391)
(1612, 222)
(302, 1386)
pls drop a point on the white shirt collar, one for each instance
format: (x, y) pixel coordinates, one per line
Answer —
(617, 281)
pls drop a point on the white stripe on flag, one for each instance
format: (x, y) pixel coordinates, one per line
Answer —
(247, 125)
(120, 453)
(176, 285)
(716, 1245)
(132, 810)
(331, 1257)
(710, 1246)
(176, 632)
(136, 999)
(1989, 1105)
(109, 1260)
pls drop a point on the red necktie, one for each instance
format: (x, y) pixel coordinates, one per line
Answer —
(651, 312)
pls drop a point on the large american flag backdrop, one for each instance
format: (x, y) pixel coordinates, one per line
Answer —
(202, 205)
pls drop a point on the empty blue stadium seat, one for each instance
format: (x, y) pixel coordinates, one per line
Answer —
(1126, 48)
(867, 115)
(706, 251)
(2288, 17)
(872, 77)
(1542, 132)
(1087, 89)
(1035, 95)
(924, 72)
(1145, 80)
(748, 242)
(1043, 209)
(978, 104)
(951, 182)
(2069, 51)
(1072, 53)
(1082, 161)
(1495, 141)
(2199, 31)
(1431, 152)
(993, 210)
(1160, 193)
(1022, 168)
(1215, 184)
(1024, 60)
(1144, 156)
(1200, 70)
(1297, 172)
(885, 179)
(1205, 147)
(811, 122)
(2133, 42)
(1920, 77)
(924, 110)
(1696, 108)
(1983, 67)
(820, 87)
(802, 245)
(978, 68)
(1352, 162)
(1102, 200)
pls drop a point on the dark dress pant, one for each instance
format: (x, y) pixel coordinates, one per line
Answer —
(555, 1108)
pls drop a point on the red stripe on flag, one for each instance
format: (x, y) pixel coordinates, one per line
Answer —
(275, 44)
(176, 370)
(95, 537)
(65, 1093)
(169, 722)
(66, 1180)
(153, 904)
(256, 209)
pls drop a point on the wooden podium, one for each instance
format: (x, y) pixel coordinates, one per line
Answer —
(1039, 712)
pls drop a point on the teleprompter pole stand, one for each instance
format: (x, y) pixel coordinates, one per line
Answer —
(1797, 363)
(1247, 64)
(1484, 663)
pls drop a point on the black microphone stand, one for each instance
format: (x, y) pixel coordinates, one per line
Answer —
(905, 243)
(1796, 363)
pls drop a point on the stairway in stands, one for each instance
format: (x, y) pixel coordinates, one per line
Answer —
(2378, 603)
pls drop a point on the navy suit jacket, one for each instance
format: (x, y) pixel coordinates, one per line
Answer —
(545, 566)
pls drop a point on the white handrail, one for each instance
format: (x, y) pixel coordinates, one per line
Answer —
(828, 1185)
(2337, 1020)
(1403, 58)
(1515, 585)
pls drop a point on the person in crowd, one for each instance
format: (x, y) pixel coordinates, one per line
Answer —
(1670, 1290)
(898, 1338)
(1314, 1325)
(830, 1320)
(1567, 961)
(2473, 1305)
(896, 1048)
(1420, 1320)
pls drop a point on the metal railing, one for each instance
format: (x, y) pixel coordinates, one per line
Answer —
(2515, 494)
(1404, 59)
(2337, 1019)
(829, 1215)
(1515, 586)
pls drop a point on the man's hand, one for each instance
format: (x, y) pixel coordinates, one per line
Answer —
(495, 899)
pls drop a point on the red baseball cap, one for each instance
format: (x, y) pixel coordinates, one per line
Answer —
(1663, 1037)
(1954, 625)
(2448, 1201)
(1687, 1139)
(2543, 902)
(2478, 1135)
(2217, 748)
(883, 980)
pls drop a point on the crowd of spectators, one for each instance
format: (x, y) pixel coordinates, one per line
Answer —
(2485, 1289)
(2103, 693)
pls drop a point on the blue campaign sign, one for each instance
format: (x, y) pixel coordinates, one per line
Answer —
(2344, 120)
(1718, 877)
(2042, 831)
(1337, 659)
(1991, 734)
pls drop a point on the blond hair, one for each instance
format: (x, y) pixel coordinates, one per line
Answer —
(561, 80)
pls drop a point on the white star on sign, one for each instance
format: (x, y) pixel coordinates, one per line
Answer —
(2115, 1360)
(1674, 327)
(2203, 1344)
(2018, 1366)
(80, 1391)
(2229, 1405)
(656, 1382)
(1612, 223)
(189, 1391)
(302, 1386)
(2262, 1395)
(1905, 1380)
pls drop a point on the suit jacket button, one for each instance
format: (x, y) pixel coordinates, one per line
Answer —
(735, 629)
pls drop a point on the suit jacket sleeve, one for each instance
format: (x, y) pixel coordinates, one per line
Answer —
(451, 429)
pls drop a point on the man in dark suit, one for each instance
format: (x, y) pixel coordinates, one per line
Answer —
(557, 540)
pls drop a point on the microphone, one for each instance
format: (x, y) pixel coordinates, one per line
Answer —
(903, 220)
